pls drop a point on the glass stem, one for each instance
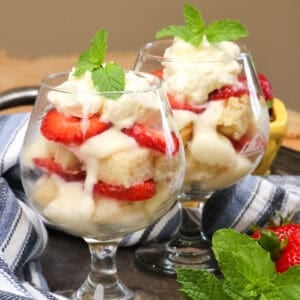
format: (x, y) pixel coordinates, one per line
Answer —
(192, 205)
(102, 281)
(190, 243)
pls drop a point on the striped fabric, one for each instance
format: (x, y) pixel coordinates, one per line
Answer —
(23, 237)
(252, 201)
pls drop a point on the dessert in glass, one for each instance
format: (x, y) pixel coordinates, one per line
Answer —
(101, 158)
(220, 111)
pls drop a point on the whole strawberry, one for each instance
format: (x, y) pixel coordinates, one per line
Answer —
(283, 241)
(290, 255)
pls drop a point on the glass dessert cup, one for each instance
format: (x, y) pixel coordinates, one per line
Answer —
(224, 137)
(92, 177)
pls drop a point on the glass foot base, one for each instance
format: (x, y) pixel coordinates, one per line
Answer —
(162, 259)
(98, 294)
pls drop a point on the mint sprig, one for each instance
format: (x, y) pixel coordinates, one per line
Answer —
(248, 270)
(108, 77)
(195, 29)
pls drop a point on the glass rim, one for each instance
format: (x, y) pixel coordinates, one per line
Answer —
(155, 84)
(245, 52)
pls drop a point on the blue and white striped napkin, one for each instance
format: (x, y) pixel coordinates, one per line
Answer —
(23, 237)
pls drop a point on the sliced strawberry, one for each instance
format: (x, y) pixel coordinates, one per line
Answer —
(52, 167)
(176, 104)
(228, 91)
(139, 192)
(240, 143)
(159, 73)
(70, 130)
(265, 86)
(151, 138)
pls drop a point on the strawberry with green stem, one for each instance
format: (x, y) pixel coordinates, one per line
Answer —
(282, 241)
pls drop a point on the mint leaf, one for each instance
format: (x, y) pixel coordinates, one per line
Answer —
(94, 56)
(84, 64)
(200, 285)
(108, 77)
(246, 248)
(289, 283)
(225, 30)
(268, 292)
(195, 28)
(180, 31)
(193, 18)
(196, 39)
(246, 266)
(98, 47)
(111, 77)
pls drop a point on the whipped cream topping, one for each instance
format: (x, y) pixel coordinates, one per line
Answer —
(191, 73)
(81, 99)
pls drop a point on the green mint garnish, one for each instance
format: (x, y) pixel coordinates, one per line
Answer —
(195, 29)
(249, 273)
(106, 77)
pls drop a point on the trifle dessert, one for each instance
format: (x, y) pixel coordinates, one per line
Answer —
(103, 156)
(217, 104)
(220, 111)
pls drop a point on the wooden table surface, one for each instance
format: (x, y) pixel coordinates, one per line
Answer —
(66, 258)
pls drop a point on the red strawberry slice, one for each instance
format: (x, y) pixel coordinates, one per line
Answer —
(228, 91)
(139, 192)
(159, 73)
(52, 167)
(267, 91)
(175, 104)
(265, 86)
(71, 130)
(150, 138)
(240, 143)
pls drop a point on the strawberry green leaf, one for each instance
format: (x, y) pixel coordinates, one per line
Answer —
(180, 31)
(193, 18)
(225, 30)
(200, 285)
(111, 77)
(289, 283)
